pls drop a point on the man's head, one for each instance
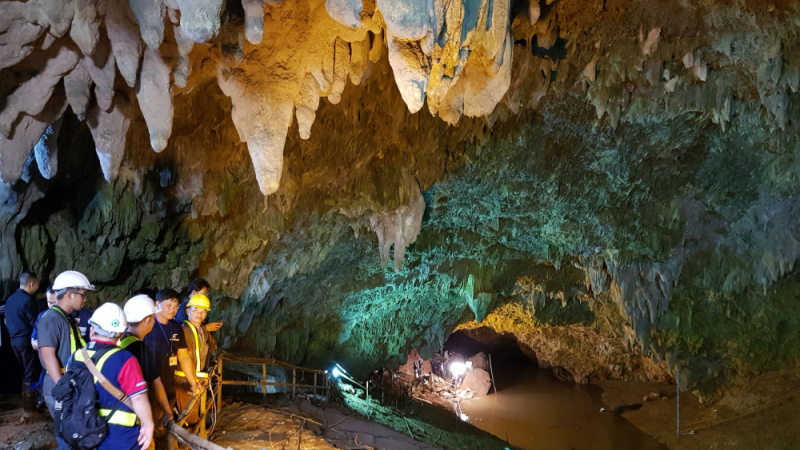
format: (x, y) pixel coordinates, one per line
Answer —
(71, 288)
(29, 282)
(51, 297)
(108, 322)
(197, 308)
(139, 312)
(167, 302)
(198, 286)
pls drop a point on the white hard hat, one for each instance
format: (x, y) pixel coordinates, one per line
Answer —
(110, 318)
(72, 279)
(139, 307)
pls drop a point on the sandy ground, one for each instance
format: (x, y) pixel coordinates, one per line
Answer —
(33, 434)
(281, 425)
(276, 425)
(760, 413)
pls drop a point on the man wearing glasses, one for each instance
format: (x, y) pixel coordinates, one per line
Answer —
(58, 333)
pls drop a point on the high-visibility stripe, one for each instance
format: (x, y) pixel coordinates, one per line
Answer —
(73, 332)
(124, 418)
(128, 340)
(196, 347)
(198, 374)
(99, 365)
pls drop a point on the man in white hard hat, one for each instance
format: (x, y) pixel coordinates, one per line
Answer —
(139, 312)
(128, 428)
(57, 332)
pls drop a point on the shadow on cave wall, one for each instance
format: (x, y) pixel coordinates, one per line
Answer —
(77, 182)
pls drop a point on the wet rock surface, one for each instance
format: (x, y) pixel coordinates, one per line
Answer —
(612, 184)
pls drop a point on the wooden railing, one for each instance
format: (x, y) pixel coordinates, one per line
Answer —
(320, 376)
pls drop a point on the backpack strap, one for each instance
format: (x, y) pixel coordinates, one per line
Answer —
(113, 390)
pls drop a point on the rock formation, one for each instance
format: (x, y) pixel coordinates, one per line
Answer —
(623, 172)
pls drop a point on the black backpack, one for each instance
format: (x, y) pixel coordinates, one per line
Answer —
(78, 422)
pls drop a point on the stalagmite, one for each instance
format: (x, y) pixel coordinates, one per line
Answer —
(55, 15)
(399, 228)
(411, 69)
(263, 120)
(253, 20)
(481, 97)
(18, 33)
(77, 85)
(200, 18)
(101, 66)
(14, 151)
(359, 60)
(184, 67)
(46, 150)
(341, 67)
(150, 16)
(85, 30)
(155, 98)
(346, 12)
(32, 96)
(408, 19)
(125, 41)
(651, 44)
(306, 105)
(109, 130)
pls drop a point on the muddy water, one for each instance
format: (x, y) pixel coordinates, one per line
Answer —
(540, 412)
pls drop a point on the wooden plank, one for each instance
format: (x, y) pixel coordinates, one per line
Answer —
(268, 361)
(264, 379)
(294, 382)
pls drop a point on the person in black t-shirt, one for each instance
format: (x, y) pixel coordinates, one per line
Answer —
(167, 342)
(139, 312)
(21, 313)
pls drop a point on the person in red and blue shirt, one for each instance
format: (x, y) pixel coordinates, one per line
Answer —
(128, 428)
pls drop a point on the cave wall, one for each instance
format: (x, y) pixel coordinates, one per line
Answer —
(625, 185)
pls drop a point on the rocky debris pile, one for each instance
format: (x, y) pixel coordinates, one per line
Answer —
(476, 380)
(428, 380)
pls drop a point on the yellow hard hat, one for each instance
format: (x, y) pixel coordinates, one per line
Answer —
(199, 301)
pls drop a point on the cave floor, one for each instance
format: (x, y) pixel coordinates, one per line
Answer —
(762, 412)
(278, 424)
(33, 434)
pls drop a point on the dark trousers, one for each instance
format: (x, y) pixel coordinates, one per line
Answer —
(28, 358)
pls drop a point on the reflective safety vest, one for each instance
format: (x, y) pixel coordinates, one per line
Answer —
(198, 365)
(74, 335)
(128, 340)
(123, 418)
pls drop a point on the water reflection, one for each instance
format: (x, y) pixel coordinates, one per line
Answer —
(540, 412)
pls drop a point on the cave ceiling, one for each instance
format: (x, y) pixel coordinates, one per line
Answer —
(358, 177)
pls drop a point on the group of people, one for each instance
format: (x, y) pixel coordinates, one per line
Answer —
(157, 351)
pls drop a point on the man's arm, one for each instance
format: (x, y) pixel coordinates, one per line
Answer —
(31, 311)
(141, 406)
(51, 364)
(213, 326)
(188, 368)
(132, 382)
(161, 396)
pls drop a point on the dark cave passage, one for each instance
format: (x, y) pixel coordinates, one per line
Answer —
(537, 410)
